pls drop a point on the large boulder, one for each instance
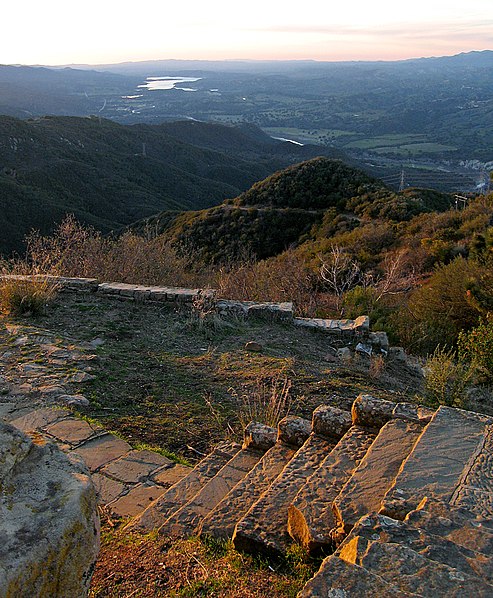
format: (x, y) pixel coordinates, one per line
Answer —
(49, 527)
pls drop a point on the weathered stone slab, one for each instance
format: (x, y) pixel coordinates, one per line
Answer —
(186, 488)
(264, 527)
(107, 488)
(136, 500)
(379, 528)
(220, 523)
(445, 451)
(413, 412)
(475, 491)
(340, 579)
(186, 519)
(73, 431)
(49, 527)
(252, 309)
(310, 516)
(170, 475)
(101, 450)
(366, 488)
(135, 466)
(38, 419)
(456, 525)
(412, 572)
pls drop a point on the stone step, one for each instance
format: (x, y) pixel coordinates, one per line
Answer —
(374, 475)
(184, 521)
(185, 489)
(220, 523)
(264, 527)
(379, 528)
(310, 516)
(455, 524)
(475, 491)
(339, 579)
(412, 572)
(440, 461)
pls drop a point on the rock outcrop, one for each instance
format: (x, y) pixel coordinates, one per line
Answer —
(49, 527)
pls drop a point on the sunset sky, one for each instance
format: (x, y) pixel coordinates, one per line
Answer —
(106, 31)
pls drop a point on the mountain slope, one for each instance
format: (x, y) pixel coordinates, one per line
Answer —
(110, 175)
(312, 200)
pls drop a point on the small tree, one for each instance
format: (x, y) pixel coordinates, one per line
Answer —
(340, 272)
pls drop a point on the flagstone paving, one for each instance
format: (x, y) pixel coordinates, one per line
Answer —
(34, 398)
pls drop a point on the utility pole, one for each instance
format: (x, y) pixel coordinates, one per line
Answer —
(401, 184)
(144, 153)
(460, 199)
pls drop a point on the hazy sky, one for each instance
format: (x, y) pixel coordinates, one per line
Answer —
(99, 31)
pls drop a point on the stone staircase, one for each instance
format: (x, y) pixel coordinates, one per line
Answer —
(400, 495)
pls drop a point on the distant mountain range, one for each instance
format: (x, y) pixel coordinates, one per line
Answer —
(110, 175)
(420, 109)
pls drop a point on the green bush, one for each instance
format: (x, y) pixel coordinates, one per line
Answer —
(476, 347)
(446, 379)
(441, 308)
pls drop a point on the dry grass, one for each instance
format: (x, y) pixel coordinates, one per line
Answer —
(21, 294)
(268, 402)
(282, 278)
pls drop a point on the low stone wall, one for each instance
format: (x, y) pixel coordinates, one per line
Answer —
(342, 333)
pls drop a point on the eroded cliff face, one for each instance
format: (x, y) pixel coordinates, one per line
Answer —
(49, 527)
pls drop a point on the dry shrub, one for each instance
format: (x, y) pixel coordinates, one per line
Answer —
(282, 278)
(446, 379)
(76, 250)
(377, 367)
(268, 402)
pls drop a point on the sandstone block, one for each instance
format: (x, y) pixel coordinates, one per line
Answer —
(455, 524)
(185, 520)
(220, 523)
(259, 436)
(264, 527)
(371, 412)
(293, 430)
(379, 528)
(413, 573)
(330, 421)
(48, 520)
(185, 489)
(310, 516)
(339, 579)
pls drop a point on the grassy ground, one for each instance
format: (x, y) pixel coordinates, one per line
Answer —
(178, 383)
(169, 380)
(154, 566)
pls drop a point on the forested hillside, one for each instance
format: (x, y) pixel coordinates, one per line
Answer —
(109, 175)
(314, 200)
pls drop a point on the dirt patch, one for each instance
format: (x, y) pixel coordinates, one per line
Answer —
(154, 566)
